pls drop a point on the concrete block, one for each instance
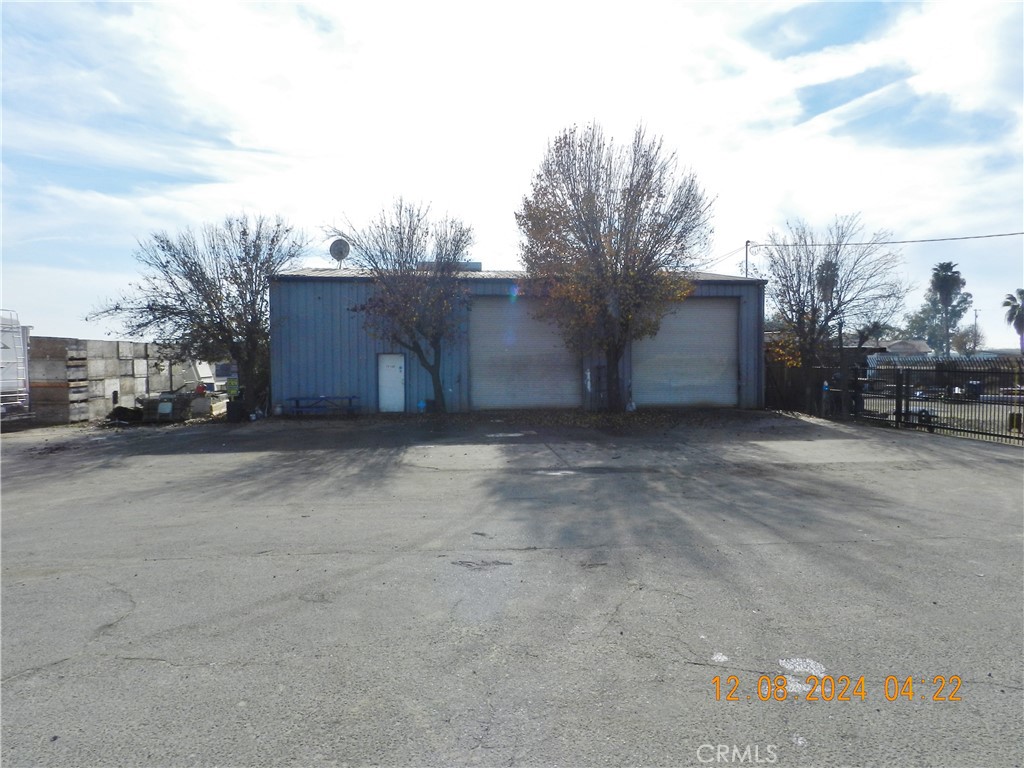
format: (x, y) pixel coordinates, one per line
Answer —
(102, 367)
(159, 379)
(54, 348)
(95, 348)
(103, 389)
(99, 409)
(44, 370)
(206, 406)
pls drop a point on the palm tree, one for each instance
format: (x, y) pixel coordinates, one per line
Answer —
(827, 280)
(1015, 314)
(872, 330)
(946, 285)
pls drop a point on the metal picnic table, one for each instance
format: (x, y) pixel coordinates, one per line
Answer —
(324, 404)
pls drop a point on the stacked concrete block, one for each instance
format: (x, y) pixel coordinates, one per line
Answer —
(75, 380)
(140, 367)
(164, 376)
(58, 379)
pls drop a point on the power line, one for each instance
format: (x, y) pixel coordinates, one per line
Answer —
(723, 258)
(883, 242)
(880, 242)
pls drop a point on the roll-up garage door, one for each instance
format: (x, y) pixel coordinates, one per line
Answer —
(694, 358)
(516, 361)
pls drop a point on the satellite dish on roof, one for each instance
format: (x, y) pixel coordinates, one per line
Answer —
(340, 249)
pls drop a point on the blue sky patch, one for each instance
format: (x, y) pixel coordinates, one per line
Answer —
(318, 21)
(824, 97)
(96, 177)
(905, 119)
(816, 26)
(1003, 162)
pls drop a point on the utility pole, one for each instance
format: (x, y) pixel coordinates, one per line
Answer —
(746, 259)
(845, 398)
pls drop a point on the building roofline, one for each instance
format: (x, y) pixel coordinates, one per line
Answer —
(349, 274)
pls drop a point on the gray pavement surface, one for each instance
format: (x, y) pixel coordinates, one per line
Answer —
(504, 592)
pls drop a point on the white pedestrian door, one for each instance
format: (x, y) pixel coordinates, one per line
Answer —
(391, 383)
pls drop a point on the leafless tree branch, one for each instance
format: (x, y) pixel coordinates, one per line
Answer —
(206, 295)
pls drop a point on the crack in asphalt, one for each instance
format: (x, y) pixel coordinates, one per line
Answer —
(558, 456)
(39, 668)
(105, 629)
(631, 591)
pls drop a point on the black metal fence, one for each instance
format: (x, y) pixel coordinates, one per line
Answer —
(983, 399)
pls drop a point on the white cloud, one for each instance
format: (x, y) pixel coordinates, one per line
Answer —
(958, 50)
(318, 112)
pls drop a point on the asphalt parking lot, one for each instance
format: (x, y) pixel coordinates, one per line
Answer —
(509, 592)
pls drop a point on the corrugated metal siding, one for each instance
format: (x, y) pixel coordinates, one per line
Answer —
(319, 347)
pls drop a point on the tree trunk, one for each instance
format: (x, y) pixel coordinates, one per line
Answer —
(253, 372)
(433, 367)
(612, 356)
(435, 377)
(248, 382)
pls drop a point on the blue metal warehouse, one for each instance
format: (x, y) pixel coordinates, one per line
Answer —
(708, 352)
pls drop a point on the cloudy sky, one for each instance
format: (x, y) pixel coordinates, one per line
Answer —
(121, 119)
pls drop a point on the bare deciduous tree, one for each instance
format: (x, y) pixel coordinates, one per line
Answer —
(207, 296)
(818, 281)
(968, 339)
(418, 299)
(612, 234)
